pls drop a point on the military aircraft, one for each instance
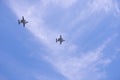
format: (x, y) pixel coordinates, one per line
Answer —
(60, 39)
(22, 21)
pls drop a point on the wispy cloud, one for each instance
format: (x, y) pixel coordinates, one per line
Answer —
(96, 7)
(67, 59)
(64, 4)
(90, 16)
(89, 65)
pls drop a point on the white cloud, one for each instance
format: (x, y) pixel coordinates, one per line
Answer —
(102, 5)
(84, 66)
(61, 3)
(96, 7)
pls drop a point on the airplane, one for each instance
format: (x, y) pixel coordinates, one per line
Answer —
(22, 21)
(60, 39)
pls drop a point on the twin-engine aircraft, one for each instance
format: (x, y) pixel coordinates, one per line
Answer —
(60, 39)
(23, 21)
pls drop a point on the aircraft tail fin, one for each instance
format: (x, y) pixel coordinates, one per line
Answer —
(18, 21)
(56, 40)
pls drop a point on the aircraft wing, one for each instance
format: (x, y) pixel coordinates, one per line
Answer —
(26, 22)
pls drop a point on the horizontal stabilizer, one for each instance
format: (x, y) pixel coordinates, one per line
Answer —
(18, 21)
(56, 40)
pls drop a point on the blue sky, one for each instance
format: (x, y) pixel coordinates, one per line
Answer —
(91, 29)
